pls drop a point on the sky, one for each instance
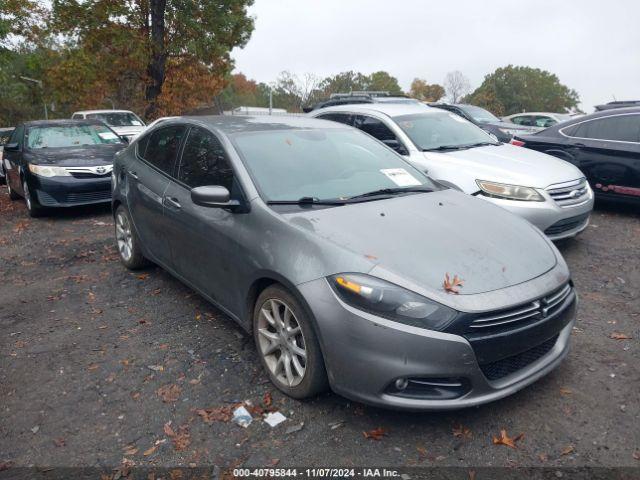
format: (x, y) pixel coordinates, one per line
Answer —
(593, 46)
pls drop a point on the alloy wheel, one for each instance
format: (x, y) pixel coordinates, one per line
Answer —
(27, 195)
(282, 343)
(123, 236)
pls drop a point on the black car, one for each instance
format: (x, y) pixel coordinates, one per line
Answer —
(353, 98)
(604, 145)
(60, 163)
(503, 131)
(618, 104)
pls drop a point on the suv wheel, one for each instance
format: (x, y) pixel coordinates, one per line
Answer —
(127, 241)
(287, 344)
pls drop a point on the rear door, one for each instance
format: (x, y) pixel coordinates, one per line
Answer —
(12, 159)
(148, 177)
(203, 239)
(607, 150)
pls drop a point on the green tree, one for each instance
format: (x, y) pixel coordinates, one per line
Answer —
(425, 92)
(344, 82)
(514, 89)
(383, 81)
(179, 50)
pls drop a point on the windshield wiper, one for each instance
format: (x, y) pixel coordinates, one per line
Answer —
(458, 147)
(391, 191)
(306, 201)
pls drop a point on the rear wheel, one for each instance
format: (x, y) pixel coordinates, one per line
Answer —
(287, 344)
(34, 208)
(127, 241)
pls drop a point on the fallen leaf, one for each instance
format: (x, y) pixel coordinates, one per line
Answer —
(620, 336)
(110, 378)
(130, 450)
(472, 475)
(198, 316)
(93, 367)
(149, 451)
(143, 276)
(59, 442)
(181, 440)
(461, 432)
(375, 434)
(266, 399)
(565, 391)
(450, 286)
(135, 395)
(168, 430)
(567, 450)
(156, 368)
(506, 440)
(543, 457)
(169, 393)
(156, 291)
(219, 414)
(636, 455)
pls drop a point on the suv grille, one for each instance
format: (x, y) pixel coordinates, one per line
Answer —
(533, 311)
(507, 366)
(569, 194)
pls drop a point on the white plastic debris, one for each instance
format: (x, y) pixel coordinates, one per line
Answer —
(242, 417)
(274, 418)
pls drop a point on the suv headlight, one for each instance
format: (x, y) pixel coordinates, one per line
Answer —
(48, 171)
(511, 192)
(391, 301)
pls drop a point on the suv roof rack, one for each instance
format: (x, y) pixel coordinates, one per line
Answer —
(618, 104)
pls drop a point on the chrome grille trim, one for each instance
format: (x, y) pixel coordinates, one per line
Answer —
(99, 170)
(569, 194)
(535, 310)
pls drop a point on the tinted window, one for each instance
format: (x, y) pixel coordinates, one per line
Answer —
(545, 122)
(337, 117)
(624, 128)
(379, 130)
(480, 114)
(525, 120)
(16, 136)
(204, 161)
(5, 136)
(162, 147)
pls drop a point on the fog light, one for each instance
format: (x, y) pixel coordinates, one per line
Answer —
(402, 383)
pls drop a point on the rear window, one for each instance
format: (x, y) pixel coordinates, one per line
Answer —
(65, 136)
(118, 119)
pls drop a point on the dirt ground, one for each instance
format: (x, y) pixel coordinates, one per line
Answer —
(98, 365)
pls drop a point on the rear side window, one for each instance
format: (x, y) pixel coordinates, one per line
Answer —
(523, 120)
(16, 136)
(162, 147)
(376, 128)
(345, 118)
(204, 161)
(622, 128)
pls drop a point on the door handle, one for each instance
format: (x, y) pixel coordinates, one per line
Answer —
(133, 174)
(172, 202)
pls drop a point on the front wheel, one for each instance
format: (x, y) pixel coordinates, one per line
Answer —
(12, 195)
(34, 208)
(287, 345)
(127, 241)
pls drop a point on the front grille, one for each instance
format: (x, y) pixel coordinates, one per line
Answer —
(523, 314)
(507, 366)
(88, 197)
(89, 175)
(567, 224)
(569, 194)
(97, 172)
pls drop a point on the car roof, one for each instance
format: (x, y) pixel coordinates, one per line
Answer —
(389, 109)
(537, 113)
(62, 121)
(232, 124)
(86, 112)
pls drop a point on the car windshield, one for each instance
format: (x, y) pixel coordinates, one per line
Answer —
(322, 164)
(118, 119)
(61, 136)
(480, 114)
(439, 131)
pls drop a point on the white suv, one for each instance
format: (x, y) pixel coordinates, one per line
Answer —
(123, 122)
(551, 193)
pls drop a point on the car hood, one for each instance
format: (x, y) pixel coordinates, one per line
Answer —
(75, 157)
(509, 125)
(414, 240)
(128, 131)
(504, 164)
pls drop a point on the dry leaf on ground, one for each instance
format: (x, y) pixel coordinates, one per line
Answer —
(375, 434)
(169, 393)
(461, 431)
(219, 414)
(451, 286)
(506, 440)
(620, 336)
(149, 451)
(567, 450)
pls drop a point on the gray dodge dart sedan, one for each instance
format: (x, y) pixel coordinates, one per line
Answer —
(351, 268)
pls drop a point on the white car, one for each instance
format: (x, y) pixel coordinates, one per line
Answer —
(537, 120)
(125, 123)
(551, 193)
(153, 124)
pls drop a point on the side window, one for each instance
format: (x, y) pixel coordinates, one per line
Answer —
(544, 122)
(379, 130)
(521, 120)
(623, 128)
(16, 136)
(162, 147)
(345, 118)
(141, 146)
(204, 161)
(76, 116)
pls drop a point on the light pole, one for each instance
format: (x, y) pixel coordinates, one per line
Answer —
(39, 83)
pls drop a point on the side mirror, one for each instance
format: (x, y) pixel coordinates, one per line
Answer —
(11, 147)
(214, 196)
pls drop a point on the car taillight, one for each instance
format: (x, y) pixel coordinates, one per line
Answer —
(517, 143)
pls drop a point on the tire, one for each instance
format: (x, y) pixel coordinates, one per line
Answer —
(277, 344)
(12, 195)
(127, 241)
(33, 207)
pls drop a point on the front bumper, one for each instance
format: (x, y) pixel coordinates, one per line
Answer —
(70, 191)
(365, 354)
(556, 222)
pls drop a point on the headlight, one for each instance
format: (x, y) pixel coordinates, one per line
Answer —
(512, 192)
(48, 171)
(387, 300)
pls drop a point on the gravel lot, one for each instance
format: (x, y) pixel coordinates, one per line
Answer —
(95, 360)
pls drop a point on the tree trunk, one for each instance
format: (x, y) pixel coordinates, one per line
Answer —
(156, 66)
